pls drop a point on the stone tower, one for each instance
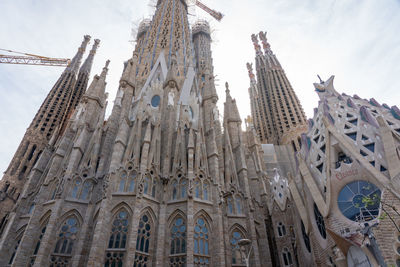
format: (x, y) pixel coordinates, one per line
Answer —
(277, 113)
(161, 182)
(48, 122)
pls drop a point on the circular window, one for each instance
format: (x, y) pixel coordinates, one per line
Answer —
(155, 101)
(319, 219)
(359, 201)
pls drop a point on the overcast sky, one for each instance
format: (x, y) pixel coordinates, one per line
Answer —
(358, 41)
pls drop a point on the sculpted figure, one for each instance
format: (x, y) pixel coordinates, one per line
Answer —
(171, 97)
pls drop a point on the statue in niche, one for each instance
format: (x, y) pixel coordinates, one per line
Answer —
(171, 97)
(215, 113)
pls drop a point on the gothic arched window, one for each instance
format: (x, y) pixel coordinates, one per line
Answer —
(230, 205)
(287, 257)
(281, 229)
(201, 244)
(16, 248)
(122, 182)
(81, 190)
(37, 246)
(75, 187)
(234, 204)
(182, 187)
(235, 248)
(87, 188)
(238, 202)
(206, 190)
(319, 219)
(177, 257)
(127, 182)
(179, 187)
(118, 240)
(174, 189)
(65, 243)
(143, 243)
(197, 188)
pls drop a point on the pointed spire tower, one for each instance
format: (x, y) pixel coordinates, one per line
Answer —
(169, 33)
(53, 113)
(277, 113)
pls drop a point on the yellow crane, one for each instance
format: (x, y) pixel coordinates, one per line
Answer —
(31, 59)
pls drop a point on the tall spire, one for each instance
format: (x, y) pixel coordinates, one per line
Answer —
(276, 110)
(169, 32)
(76, 60)
(87, 65)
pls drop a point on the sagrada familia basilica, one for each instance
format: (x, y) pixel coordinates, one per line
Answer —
(163, 181)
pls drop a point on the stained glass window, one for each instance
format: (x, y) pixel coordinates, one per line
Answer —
(142, 255)
(359, 201)
(237, 258)
(177, 256)
(65, 243)
(238, 201)
(118, 240)
(122, 182)
(319, 219)
(87, 188)
(230, 205)
(76, 186)
(201, 245)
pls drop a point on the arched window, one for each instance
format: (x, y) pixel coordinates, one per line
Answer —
(238, 201)
(65, 243)
(182, 187)
(319, 221)
(147, 184)
(80, 191)
(75, 187)
(143, 243)
(179, 187)
(127, 182)
(33, 257)
(306, 238)
(281, 229)
(132, 181)
(174, 189)
(197, 188)
(206, 190)
(201, 245)
(122, 182)
(16, 248)
(287, 257)
(118, 240)
(237, 259)
(177, 257)
(86, 190)
(230, 205)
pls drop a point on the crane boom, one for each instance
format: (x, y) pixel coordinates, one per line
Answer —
(217, 15)
(31, 59)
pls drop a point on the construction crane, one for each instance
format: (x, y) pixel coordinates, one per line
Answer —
(31, 59)
(215, 14)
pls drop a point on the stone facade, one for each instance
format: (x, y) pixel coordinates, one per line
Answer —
(49, 121)
(164, 182)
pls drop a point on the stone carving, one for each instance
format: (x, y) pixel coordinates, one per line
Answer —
(171, 97)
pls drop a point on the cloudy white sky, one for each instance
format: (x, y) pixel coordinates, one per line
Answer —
(358, 41)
